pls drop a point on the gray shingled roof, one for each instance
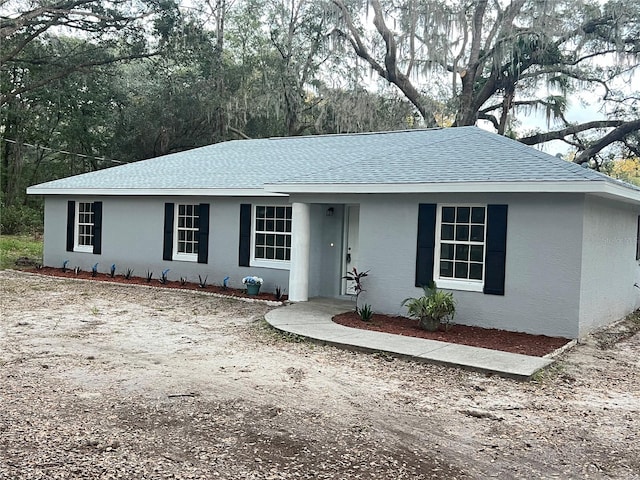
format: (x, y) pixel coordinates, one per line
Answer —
(465, 154)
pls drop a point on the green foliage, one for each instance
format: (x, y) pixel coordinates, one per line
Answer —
(20, 220)
(365, 312)
(14, 247)
(431, 309)
(356, 277)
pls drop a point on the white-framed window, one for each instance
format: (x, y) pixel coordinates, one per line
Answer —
(271, 236)
(84, 227)
(185, 237)
(460, 247)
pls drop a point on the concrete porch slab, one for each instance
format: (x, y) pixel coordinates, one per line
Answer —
(312, 319)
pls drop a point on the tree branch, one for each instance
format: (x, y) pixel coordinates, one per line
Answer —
(616, 135)
(570, 130)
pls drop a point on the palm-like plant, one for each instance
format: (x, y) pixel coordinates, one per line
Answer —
(355, 276)
(432, 309)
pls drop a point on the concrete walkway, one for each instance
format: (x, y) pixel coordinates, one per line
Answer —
(313, 320)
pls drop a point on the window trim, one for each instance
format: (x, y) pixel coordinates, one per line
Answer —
(453, 283)
(180, 256)
(76, 228)
(260, 262)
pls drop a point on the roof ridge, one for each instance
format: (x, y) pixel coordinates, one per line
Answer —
(355, 134)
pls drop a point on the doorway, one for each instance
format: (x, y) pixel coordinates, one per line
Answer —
(351, 241)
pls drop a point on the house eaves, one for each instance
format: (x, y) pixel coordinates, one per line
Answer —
(165, 192)
(599, 188)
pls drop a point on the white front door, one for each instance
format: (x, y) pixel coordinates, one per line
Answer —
(352, 230)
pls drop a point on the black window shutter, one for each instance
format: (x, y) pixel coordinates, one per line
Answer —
(71, 220)
(244, 253)
(167, 245)
(638, 241)
(496, 249)
(97, 227)
(426, 244)
(203, 233)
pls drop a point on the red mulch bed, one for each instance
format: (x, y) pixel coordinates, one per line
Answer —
(514, 342)
(155, 282)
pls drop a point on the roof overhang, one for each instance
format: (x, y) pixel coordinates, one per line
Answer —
(599, 188)
(164, 192)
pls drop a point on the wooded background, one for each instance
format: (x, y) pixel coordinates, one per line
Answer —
(89, 84)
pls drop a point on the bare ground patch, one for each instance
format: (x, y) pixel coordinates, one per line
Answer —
(108, 381)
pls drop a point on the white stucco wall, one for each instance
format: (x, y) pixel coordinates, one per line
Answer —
(544, 257)
(609, 266)
(132, 236)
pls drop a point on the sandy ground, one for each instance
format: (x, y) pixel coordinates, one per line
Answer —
(110, 381)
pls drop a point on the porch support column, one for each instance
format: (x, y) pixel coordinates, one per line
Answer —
(300, 241)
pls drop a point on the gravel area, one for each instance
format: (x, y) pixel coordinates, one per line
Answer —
(105, 381)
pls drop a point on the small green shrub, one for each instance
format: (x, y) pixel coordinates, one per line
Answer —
(432, 309)
(355, 276)
(163, 276)
(279, 292)
(365, 312)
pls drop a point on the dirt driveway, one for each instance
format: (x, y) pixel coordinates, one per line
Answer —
(110, 381)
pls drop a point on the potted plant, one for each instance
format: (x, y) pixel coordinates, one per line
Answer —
(252, 284)
(432, 309)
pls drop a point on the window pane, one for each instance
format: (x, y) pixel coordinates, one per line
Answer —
(477, 215)
(477, 233)
(182, 209)
(270, 251)
(279, 225)
(271, 240)
(260, 239)
(270, 226)
(260, 225)
(462, 252)
(476, 253)
(463, 215)
(280, 241)
(279, 212)
(287, 255)
(462, 233)
(462, 269)
(446, 269)
(270, 212)
(260, 212)
(448, 214)
(287, 227)
(475, 271)
(446, 251)
(181, 235)
(279, 253)
(288, 241)
(288, 212)
(446, 232)
(188, 222)
(259, 252)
